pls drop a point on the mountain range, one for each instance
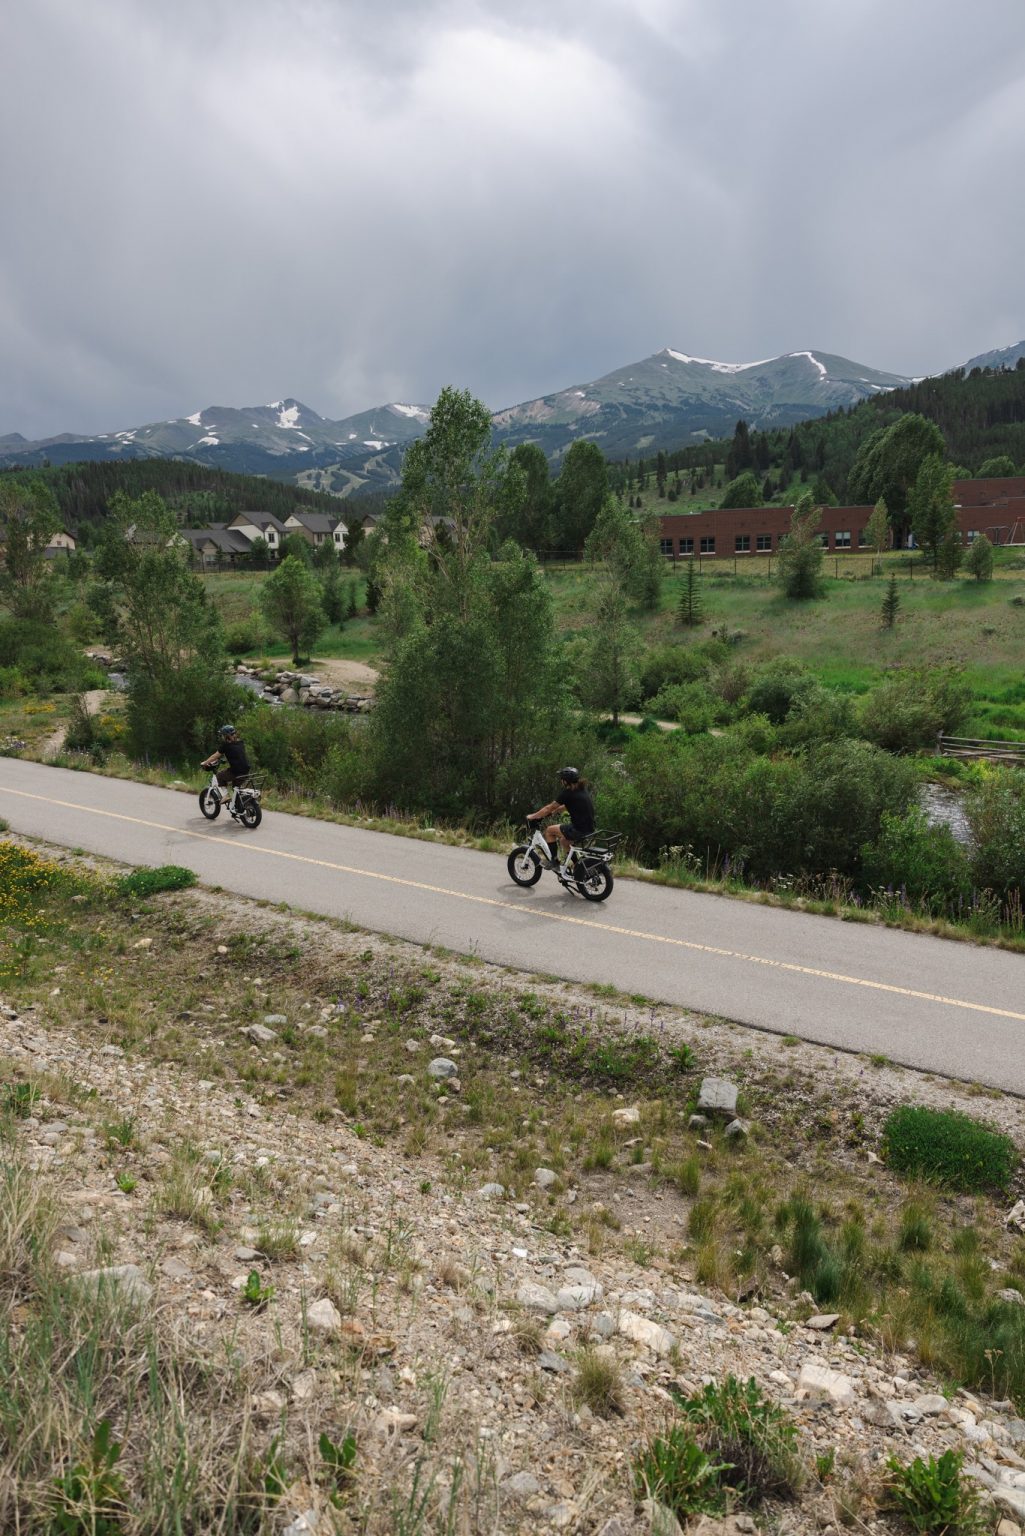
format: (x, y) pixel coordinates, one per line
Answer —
(664, 401)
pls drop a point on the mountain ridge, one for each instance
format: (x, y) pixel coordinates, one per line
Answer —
(668, 400)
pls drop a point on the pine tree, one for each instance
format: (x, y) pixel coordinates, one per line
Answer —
(891, 604)
(691, 604)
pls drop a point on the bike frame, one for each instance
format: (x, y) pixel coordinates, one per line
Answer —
(540, 844)
(229, 797)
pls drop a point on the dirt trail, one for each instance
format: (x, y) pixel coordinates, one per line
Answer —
(337, 672)
(94, 699)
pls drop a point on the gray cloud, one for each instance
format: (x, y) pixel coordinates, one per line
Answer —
(236, 200)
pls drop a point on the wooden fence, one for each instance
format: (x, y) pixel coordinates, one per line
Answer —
(970, 747)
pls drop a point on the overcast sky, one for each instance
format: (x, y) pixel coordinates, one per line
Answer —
(355, 201)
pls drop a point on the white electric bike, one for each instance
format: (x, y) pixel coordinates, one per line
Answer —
(243, 803)
(585, 870)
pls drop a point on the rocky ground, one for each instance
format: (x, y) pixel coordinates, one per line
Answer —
(448, 1318)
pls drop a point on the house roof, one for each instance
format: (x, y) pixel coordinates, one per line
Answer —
(315, 522)
(258, 520)
(227, 539)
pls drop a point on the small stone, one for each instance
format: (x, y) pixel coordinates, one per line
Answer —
(275, 1018)
(573, 1298)
(111, 1050)
(392, 1421)
(1016, 1217)
(1007, 1527)
(642, 1330)
(548, 1360)
(697, 1122)
(561, 1515)
(613, 1527)
(442, 1066)
(536, 1298)
(661, 1521)
(142, 944)
(737, 1130)
(324, 1316)
(822, 1321)
(930, 1404)
(269, 1404)
(544, 1178)
(413, 1047)
(629, 1116)
(306, 1524)
(304, 1386)
(1012, 1499)
(1010, 1294)
(125, 1277)
(259, 1034)
(521, 1485)
(492, 1191)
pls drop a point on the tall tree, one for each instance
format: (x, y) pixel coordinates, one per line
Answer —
(877, 529)
(29, 517)
(690, 607)
(581, 488)
(931, 505)
(891, 603)
(739, 455)
(291, 598)
(166, 629)
(529, 522)
(744, 491)
(887, 466)
(609, 674)
(800, 552)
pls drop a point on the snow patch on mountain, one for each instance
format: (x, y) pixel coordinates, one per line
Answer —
(289, 417)
(208, 442)
(823, 371)
(418, 412)
(196, 419)
(707, 362)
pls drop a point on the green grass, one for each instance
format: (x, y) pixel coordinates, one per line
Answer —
(949, 1148)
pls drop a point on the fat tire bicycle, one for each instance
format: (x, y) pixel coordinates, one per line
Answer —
(586, 869)
(247, 808)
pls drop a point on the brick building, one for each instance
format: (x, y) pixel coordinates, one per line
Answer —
(993, 507)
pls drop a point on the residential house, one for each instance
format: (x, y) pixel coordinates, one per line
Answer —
(317, 528)
(216, 545)
(261, 525)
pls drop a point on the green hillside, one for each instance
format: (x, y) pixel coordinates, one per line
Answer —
(198, 495)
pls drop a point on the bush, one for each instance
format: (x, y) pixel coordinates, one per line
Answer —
(688, 704)
(46, 660)
(932, 1496)
(174, 713)
(949, 1147)
(665, 664)
(778, 689)
(246, 634)
(676, 1471)
(926, 862)
(753, 1439)
(995, 810)
(150, 882)
(908, 712)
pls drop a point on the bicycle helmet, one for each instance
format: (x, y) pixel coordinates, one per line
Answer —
(569, 775)
(226, 730)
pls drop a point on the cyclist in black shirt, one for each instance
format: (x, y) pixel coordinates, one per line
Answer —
(575, 799)
(232, 753)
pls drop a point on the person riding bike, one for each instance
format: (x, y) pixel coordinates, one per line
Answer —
(575, 799)
(232, 753)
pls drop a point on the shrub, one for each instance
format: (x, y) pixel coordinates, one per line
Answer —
(753, 1439)
(245, 634)
(688, 704)
(950, 1147)
(909, 711)
(597, 1383)
(932, 1495)
(778, 688)
(995, 810)
(150, 882)
(927, 862)
(45, 658)
(677, 1472)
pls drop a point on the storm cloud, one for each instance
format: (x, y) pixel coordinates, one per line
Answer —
(233, 201)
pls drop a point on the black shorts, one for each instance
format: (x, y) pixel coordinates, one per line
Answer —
(571, 833)
(226, 777)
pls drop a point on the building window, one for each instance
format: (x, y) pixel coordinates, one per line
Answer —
(666, 546)
(742, 543)
(763, 541)
(708, 544)
(862, 538)
(686, 546)
(973, 534)
(842, 538)
(823, 539)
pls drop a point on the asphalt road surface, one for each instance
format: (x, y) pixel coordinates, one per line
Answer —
(949, 1008)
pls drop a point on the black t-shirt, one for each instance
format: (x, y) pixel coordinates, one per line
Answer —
(580, 806)
(235, 754)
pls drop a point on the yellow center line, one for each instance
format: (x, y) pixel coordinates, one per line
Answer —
(553, 917)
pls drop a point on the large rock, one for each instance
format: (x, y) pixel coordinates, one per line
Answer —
(323, 1316)
(126, 1278)
(822, 1384)
(717, 1097)
(536, 1298)
(642, 1330)
(259, 1034)
(442, 1066)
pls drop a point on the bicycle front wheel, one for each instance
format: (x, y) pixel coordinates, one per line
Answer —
(523, 865)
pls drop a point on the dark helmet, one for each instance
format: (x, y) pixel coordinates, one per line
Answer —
(569, 775)
(226, 730)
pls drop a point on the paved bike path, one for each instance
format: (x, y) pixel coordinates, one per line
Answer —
(944, 1007)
